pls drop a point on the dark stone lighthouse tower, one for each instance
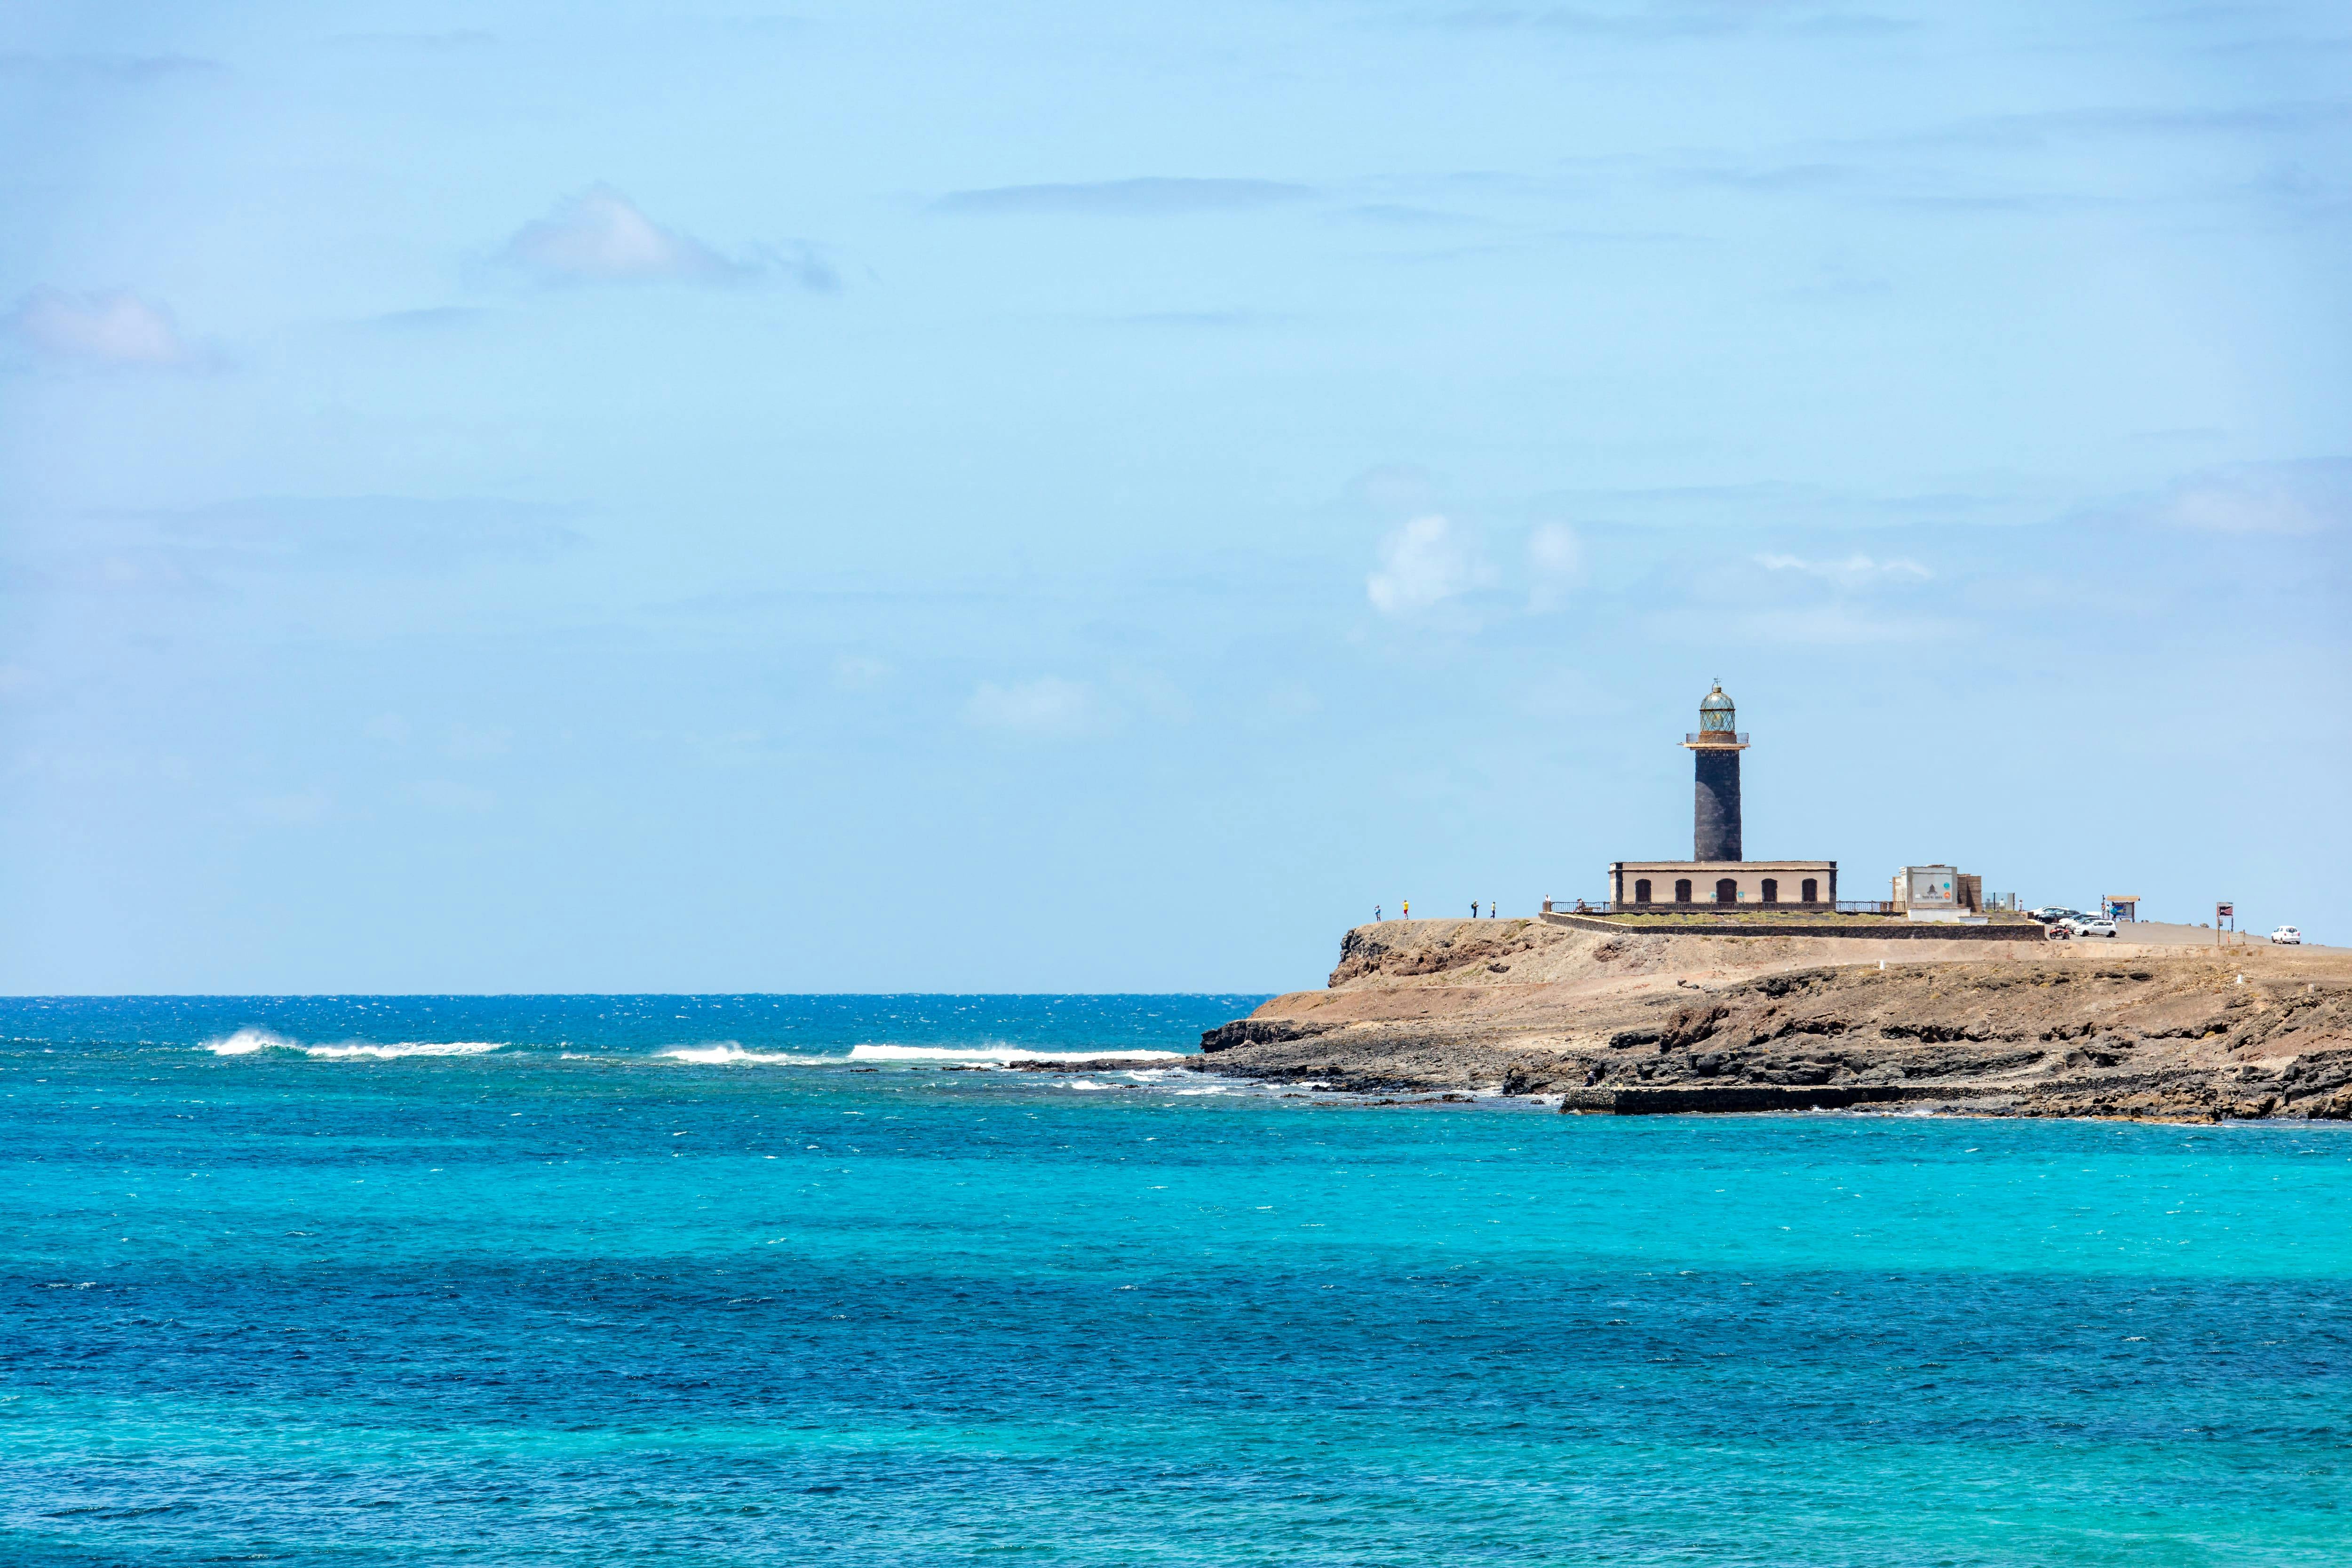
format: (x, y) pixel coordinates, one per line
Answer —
(1716, 746)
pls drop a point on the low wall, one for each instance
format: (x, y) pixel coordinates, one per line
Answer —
(1890, 927)
(1730, 1097)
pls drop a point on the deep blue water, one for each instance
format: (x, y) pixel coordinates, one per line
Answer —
(700, 1281)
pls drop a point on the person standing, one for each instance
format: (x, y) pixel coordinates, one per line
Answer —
(1407, 912)
(1474, 909)
(1376, 914)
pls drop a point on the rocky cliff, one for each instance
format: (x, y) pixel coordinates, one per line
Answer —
(1654, 1022)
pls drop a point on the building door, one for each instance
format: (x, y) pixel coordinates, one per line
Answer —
(1726, 892)
(1642, 890)
(1771, 891)
(1812, 892)
(1681, 890)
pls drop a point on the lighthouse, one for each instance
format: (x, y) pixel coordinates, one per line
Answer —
(1716, 746)
(1718, 872)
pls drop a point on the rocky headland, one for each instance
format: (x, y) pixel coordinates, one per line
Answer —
(1650, 1021)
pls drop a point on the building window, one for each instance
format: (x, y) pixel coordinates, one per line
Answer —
(1642, 890)
(1772, 892)
(1726, 892)
(1681, 890)
(1812, 892)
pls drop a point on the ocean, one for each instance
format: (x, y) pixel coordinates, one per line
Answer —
(770, 1279)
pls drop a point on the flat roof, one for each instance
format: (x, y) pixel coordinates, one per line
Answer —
(1723, 864)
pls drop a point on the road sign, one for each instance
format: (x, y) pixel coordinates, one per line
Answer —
(2225, 912)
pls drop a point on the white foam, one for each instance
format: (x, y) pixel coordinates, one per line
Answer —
(245, 1042)
(402, 1048)
(725, 1053)
(984, 1054)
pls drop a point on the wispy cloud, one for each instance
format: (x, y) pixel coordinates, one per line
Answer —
(1555, 564)
(859, 672)
(1404, 217)
(302, 808)
(1212, 320)
(114, 329)
(602, 236)
(432, 319)
(2292, 498)
(199, 549)
(2110, 121)
(128, 70)
(1851, 572)
(1047, 708)
(1833, 624)
(450, 795)
(1672, 19)
(1148, 195)
(456, 40)
(1426, 563)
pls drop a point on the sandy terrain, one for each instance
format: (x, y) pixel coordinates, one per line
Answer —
(2164, 1024)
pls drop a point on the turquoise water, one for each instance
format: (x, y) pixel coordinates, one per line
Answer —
(754, 1280)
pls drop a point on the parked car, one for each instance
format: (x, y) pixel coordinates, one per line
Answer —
(2287, 936)
(2091, 925)
(2050, 914)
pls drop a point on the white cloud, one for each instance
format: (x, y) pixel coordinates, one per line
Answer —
(600, 237)
(1050, 707)
(112, 328)
(1126, 198)
(1425, 563)
(2262, 497)
(1853, 571)
(1555, 564)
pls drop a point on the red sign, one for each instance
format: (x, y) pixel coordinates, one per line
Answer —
(2225, 912)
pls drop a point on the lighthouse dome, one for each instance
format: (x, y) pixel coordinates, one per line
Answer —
(1715, 711)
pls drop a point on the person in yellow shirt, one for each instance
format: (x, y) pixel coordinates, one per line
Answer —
(1408, 910)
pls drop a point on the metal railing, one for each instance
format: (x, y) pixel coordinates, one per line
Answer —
(1743, 907)
(1703, 906)
(1715, 738)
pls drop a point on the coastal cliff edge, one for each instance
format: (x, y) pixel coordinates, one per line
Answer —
(1647, 1022)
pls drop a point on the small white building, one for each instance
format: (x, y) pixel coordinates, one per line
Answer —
(1939, 894)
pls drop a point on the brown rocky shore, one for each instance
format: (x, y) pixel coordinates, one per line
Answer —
(1649, 1022)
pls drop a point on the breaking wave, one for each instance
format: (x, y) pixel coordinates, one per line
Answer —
(726, 1053)
(710, 1053)
(403, 1049)
(983, 1054)
(245, 1042)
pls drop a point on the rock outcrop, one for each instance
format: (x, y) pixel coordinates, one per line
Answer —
(1652, 1022)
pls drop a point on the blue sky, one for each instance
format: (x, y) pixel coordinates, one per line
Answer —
(517, 497)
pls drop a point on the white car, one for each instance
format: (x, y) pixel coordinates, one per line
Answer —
(2089, 925)
(2287, 936)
